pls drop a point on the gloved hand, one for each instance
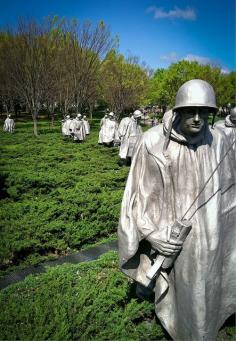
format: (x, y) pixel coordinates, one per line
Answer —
(164, 247)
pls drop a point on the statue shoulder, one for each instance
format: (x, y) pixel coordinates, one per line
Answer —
(125, 120)
(154, 139)
(218, 133)
(154, 135)
(220, 124)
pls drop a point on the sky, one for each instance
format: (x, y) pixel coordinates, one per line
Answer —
(159, 32)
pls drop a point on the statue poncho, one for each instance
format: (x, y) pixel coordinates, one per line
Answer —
(129, 132)
(86, 126)
(228, 128)
(108, 132)
(195, 296)
(100, 136)
(66, 127)
(9, 125)
(78, 130)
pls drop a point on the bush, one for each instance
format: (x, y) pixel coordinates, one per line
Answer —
(57, 196)
(90, 301)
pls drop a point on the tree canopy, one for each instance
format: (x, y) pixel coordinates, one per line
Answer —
(66, 65)
(165, 82)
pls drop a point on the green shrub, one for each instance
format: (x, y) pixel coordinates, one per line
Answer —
(57, 196)
(90, 301)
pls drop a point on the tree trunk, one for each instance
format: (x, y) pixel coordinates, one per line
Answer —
(11, 106)
(6, 107)
(52, 118)
(35, 122)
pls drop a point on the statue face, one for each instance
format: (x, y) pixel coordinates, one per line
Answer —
(193, 119)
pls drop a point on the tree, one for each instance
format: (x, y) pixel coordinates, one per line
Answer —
(123, 82)
(226, 89)
(7, 94)
(30, 51)
(85, 47)
(165, 82)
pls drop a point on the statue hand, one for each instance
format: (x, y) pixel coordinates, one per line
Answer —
(166, 248)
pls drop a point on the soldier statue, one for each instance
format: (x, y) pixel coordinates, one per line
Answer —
(77, 129)
(9, 124)
(129, 132)
(178, 218)
(66, 126)
(228, 126)
(108, 131)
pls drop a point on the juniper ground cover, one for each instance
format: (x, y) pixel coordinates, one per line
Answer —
(57, 196)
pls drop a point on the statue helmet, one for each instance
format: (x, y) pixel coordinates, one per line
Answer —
(111, 114)
(137, 113)
(195, 93)
(79, 115)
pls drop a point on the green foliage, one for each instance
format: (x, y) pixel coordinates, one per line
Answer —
(124, 82)
(90, 301)
(58, 196)
(165, 83)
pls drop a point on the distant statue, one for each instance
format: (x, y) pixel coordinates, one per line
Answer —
(177, 230)
(9, 124)
(154, 122)
(129, 132)
(66, 126)
(230, 121)
(77, 129)
(102, 122)
(108, 132)
(86, 125)
(228, 126)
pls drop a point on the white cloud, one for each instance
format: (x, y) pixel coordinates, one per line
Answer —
(200, 59)
(171, 57)
(225, 70)
(176, 13)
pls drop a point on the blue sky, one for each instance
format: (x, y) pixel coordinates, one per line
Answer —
(158, 31)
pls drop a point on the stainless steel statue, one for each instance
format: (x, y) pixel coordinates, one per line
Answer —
(102, 122)
(66, 126)
(86, 125)
(108, 131)
(228, 126)
(182, 178)
(77, 129)
(129, 132)
(9, 124)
